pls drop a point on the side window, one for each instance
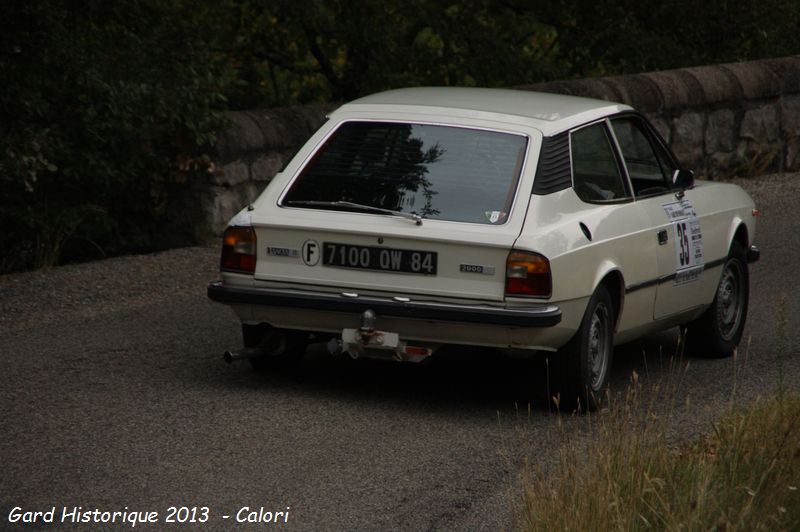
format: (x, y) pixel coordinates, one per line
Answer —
(648, 165)
(595, 173)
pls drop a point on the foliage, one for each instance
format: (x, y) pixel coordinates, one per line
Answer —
(104, 108)
(296, 51)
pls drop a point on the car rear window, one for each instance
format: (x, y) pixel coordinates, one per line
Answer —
(439, 172)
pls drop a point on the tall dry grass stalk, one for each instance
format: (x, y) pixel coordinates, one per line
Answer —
(627, 475)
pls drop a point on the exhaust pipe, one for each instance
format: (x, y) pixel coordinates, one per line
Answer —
(273, 344)
(244, 353)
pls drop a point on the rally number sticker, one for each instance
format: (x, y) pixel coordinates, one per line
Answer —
(688, 241)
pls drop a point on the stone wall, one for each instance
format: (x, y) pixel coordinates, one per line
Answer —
(741, 118)
(249, 153)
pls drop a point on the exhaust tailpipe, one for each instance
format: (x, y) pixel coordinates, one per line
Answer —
(274, 343)
(244, 353)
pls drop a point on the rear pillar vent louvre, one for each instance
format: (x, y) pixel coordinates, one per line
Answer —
(554, 171)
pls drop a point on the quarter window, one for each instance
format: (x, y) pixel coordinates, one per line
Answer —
(648, 165)
(595, 173)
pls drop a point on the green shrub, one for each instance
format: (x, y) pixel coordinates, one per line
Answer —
(106, 111)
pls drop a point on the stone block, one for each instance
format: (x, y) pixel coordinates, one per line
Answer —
(761, 124)
(687, 139)
(287, 127)
(638, 91)
(791, 161)
(787, 69)
(674, 92)
(756, 80)
(224, 202)
(231, 174)
(242, 136)
(266, 166)
(721, 131)
(716, 83)
(790, 115)
(721, 164)
(662, 125)
(754, 158)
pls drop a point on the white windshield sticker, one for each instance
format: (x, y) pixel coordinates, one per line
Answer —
(495, 216)
(688, 241)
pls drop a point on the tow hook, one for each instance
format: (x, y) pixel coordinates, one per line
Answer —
(369, 342)
(367, 329)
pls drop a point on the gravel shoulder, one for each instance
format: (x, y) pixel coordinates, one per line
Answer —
(81, 291)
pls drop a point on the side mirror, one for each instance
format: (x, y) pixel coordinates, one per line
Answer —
(683, 179)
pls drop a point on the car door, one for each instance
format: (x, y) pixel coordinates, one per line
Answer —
(621, 228)
(676, 225)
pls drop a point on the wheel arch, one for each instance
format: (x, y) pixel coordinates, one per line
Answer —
(739, 232)
(611, 277)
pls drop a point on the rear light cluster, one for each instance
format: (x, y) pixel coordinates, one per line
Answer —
(239, 250)
(528, 274)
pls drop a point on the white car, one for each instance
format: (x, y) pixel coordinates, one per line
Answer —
(423, 217)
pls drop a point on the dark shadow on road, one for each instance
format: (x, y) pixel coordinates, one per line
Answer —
(458, 378)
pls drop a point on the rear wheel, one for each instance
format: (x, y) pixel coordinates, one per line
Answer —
(717, 332)
(282, 348)
(585, 362)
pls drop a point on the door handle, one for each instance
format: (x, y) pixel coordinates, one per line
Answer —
(662, 237)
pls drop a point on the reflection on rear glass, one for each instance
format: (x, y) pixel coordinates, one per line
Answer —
(437, 172)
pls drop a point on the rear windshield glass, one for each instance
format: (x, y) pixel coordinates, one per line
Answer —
(439, 172)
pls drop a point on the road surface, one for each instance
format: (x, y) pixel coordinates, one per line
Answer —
(115, 397)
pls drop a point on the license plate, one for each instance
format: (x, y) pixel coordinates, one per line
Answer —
(379, 258)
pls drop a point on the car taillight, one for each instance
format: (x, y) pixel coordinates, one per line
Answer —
(528, 274)
(239, 250)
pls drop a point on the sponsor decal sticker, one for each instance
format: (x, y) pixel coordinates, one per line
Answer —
(688, 241)
(495, 216)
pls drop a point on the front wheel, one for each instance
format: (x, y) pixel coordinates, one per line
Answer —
(717, 332)
(584, 363)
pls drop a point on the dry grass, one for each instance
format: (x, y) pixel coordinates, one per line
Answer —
(744, 475)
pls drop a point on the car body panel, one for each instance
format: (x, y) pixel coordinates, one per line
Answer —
(705, 198)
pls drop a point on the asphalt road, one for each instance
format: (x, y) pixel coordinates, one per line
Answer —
(114, 396)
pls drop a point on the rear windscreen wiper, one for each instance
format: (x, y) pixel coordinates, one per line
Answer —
(350, 205)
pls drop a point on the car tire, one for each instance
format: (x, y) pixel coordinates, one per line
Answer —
(284, 349)
(584, 363)
(717, 332)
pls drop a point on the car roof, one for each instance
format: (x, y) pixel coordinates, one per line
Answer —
(550, 113)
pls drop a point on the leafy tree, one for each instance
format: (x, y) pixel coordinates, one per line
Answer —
(306, 50)
(105, 110)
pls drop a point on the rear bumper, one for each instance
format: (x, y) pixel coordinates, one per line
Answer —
(539, 316)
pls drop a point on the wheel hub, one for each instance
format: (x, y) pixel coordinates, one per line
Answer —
(730, 301)
(598, 346)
